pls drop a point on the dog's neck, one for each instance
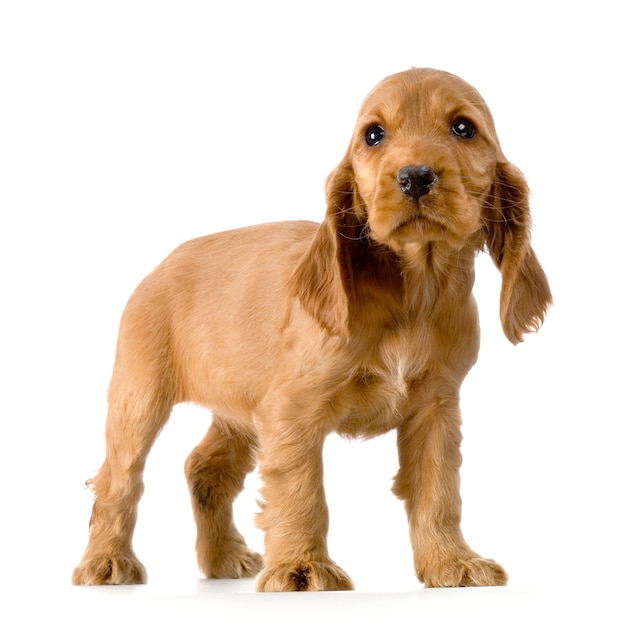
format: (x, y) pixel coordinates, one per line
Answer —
(434, 272)
(414, 280)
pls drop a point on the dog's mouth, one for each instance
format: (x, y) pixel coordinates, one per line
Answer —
(407, 220)
(408, 227)
(419, 224)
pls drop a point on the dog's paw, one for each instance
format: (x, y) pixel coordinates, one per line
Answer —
(465, 572)
(243, 563)
(109, 570)
(309, 576)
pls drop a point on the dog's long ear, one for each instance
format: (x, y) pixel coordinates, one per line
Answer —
(525, 295)
(323, 278)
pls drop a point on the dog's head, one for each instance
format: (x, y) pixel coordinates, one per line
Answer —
(425, 167)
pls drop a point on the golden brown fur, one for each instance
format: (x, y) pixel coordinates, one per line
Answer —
(291, 331)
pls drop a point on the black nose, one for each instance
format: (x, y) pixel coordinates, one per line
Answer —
(416, 180)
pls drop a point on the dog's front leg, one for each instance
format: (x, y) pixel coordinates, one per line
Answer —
(428, 481)
(294, 513)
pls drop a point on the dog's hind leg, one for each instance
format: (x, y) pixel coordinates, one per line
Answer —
(141, 396)
(215, 472)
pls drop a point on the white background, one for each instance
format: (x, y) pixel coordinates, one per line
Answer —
(129, 127)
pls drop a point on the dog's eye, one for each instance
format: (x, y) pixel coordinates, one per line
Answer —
(374, 135)
(463, 128)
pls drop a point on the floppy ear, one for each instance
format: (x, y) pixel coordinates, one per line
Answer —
(322, 279)
(525, 295)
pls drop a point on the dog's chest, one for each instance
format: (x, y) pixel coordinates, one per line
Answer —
(375, 396)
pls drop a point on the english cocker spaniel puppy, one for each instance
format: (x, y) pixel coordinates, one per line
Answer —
(358, 325)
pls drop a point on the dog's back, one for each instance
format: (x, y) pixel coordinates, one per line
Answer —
(206, 321)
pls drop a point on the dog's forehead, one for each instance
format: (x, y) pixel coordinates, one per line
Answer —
(419, 91)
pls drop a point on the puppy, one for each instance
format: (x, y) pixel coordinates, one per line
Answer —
(358, 325)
